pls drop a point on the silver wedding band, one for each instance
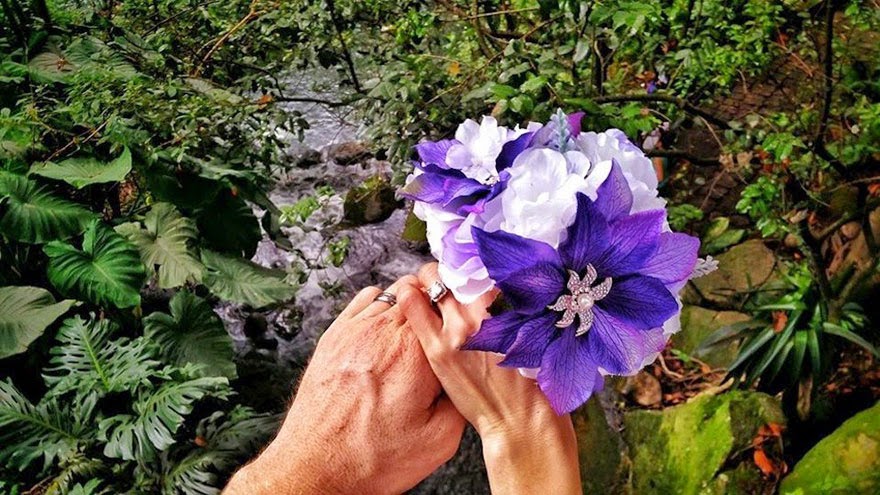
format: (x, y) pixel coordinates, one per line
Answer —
(386, 297)
(436, 291)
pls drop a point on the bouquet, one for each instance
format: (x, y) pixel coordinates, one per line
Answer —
(569, 226)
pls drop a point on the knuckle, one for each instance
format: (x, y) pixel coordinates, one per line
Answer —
(366, 291)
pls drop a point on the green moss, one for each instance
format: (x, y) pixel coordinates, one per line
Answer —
(682, 449)
(698, 323)
(600, 450)
(845, 462)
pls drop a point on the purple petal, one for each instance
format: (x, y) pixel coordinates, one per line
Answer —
(532, 289)
(505, 254)
(496, 334)
(434, 152)
(574, 123)
(674, 259)
(615, 347)
(511, 149)
(587, 236)
(614, 196)
(568, 376)
(639, 302)
(531, 342)
(441, 186)
(633, 240)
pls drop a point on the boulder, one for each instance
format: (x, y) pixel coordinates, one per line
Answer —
(845, 462)
(308, 159)
(371, 202)
(601, 450)
(698, 323)
(688, 449)
(348, 153)
(741, 269)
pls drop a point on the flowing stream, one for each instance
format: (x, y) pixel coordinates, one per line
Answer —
(273, 347)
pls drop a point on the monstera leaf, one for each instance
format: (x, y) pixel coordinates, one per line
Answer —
(192, 333)
(81, 172)
(107, 271)
(31, 214)
(166, 243)
(25, 312)
(241, 281)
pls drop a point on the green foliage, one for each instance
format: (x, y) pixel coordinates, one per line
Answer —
(192, 334)
(761, 201)
(719, 236)
(25, 313)
(338, 250)
(241, 281)
(31, 214)
(680, 216)
(165, 245)
(106, 271)
(82, 172)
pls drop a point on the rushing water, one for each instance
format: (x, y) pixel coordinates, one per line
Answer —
(273, 346)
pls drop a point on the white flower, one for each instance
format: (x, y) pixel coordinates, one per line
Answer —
(479, 146)
(540, 199)
(601, 148)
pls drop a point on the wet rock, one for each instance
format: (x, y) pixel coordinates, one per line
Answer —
(741, 269)
(600, 449)
(371, 202)
(348, 153)
(255, 325)
(308, 159)
(698, 323)
(695, 448)
(845, 462)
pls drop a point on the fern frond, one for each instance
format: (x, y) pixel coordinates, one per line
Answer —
(77, 468)
(87, 359)
(227, 440)
(158, 414)
(49, 429)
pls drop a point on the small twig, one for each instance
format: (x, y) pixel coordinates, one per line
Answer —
(684, 155)
(94, 132)
(251, 15)
(664, 98)
(814, 256)
(306, 99)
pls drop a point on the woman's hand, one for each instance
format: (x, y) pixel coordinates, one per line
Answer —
(368, 417)
(527, 447)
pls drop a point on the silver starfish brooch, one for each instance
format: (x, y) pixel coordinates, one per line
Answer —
(581, 300)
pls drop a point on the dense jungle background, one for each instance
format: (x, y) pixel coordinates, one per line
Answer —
(190, 190)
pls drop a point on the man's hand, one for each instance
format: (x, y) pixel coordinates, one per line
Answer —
(368, 417)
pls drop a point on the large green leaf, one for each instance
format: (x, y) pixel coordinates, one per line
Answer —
(107, 271)
(49, 67)
(32, 214)
(88, 357)
(238, 280)
(228, 225)
(192, 333)
(25, 312)
(84, 171)
(158, 414)
(50, 429)
(166, 243)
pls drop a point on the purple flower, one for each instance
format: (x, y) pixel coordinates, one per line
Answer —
(596, 305)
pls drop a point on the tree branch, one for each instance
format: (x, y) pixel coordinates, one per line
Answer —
(684, 155)
(814, 257)
(664, 98)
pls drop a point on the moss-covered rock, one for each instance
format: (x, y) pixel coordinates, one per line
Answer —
(600, 451)
(370, 202)
(741, 269)
(698, 323)
(845, 462)
(688, 449)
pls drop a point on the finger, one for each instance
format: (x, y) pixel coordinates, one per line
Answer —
(458, 324)
(422, 319)
(360, 301)
(447, 424)
(376, 307)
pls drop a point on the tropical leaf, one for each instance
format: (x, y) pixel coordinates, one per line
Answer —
(33, 215)
(166, 243)
(241, 281)
(107, 271)
(84, 171)
(49, 429)
(87, 357)
(228, 225)
(228, 439)
(25, 312)
(192, 333)
(158, 414)
(49, 67)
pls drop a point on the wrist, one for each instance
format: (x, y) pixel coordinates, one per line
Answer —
(272, 473)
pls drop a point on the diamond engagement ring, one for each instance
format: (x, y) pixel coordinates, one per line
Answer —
(386, 297)
(436, 291)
